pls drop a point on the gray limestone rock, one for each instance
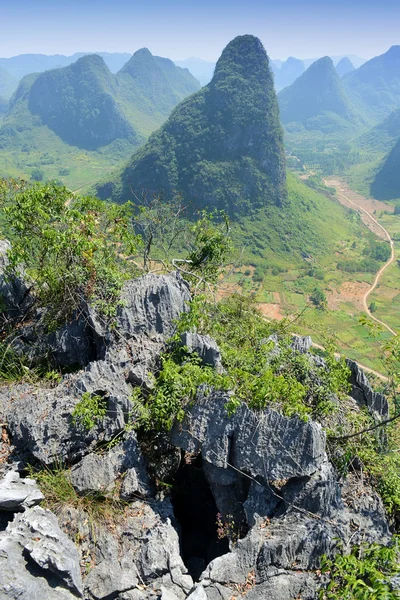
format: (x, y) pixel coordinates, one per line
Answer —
(362, 392)
(40, 420)
(151, 304)
(265, 444)
(96, 473)
(34, 538)
(18, 494)
(99, 472)
(301, 344)
(206, 348)
(105, 580)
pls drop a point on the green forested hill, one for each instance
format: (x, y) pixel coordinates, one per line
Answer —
(386, 185)
(375, 86)
(7, 84)
(316, 101)
(79, 103)
(85, 107)
(221, 147)
(383, 136)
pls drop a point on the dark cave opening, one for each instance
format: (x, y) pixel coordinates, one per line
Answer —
(196, 512)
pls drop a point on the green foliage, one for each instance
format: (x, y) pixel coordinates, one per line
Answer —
(37, 175)
(220, 148)
(318, 298)
(90, 409)
(73, 249)
(364, 574)
(285, 379)
(366, 265)
(373, 307)
(378, 251)
(210, 247)
(14, 367)
(176, 386)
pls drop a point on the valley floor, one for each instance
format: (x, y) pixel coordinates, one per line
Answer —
(349, 295)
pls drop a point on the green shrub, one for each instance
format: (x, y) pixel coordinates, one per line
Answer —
(90, 409)
(37, 175)
(285, 380)
(72, 249)
(363, 574)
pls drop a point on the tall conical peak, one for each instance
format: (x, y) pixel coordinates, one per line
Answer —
(90, 60)
(142, 58)
(242, 56)
(325, 63)
(141, 53)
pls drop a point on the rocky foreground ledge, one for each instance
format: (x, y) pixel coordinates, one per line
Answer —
(267, 472)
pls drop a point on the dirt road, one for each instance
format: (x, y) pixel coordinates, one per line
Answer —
(357, 202)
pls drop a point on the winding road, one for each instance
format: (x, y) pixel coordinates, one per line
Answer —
(383, 268)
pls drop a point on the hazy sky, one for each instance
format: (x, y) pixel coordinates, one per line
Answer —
(183, 28)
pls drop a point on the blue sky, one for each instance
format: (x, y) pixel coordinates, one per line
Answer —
(183, 28)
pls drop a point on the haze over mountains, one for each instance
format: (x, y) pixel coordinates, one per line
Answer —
(24, 64)
(317, 101)
(375, 86)
(85, 105)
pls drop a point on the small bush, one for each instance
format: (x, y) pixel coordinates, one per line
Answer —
(364, 573)
(90, 409)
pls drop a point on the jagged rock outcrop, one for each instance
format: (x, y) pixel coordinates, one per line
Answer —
(364, 395)
(18, 494)
(264, 477)
(44, 427)
(36, 557)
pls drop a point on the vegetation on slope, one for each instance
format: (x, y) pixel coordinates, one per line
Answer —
(222, 147)
(386, 185)
(7, 84)
(75, 121)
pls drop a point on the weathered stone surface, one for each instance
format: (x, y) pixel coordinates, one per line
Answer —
(264, 444)
(319, 494)
(13, 290)
(105, 580)
(17, 494)
(362, 392)
(151, 305)
(96, 473)
(261, 501)
(301, 344)
(99, 472)
(34, 538)
(198, 594)
(40, 420)
(206, 348)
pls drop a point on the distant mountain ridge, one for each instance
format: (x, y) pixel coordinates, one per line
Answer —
(344, 66)
(317, 101)
(221, 147)
(25, 64)
(7, 84)
(375, 86)
(89, 107)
